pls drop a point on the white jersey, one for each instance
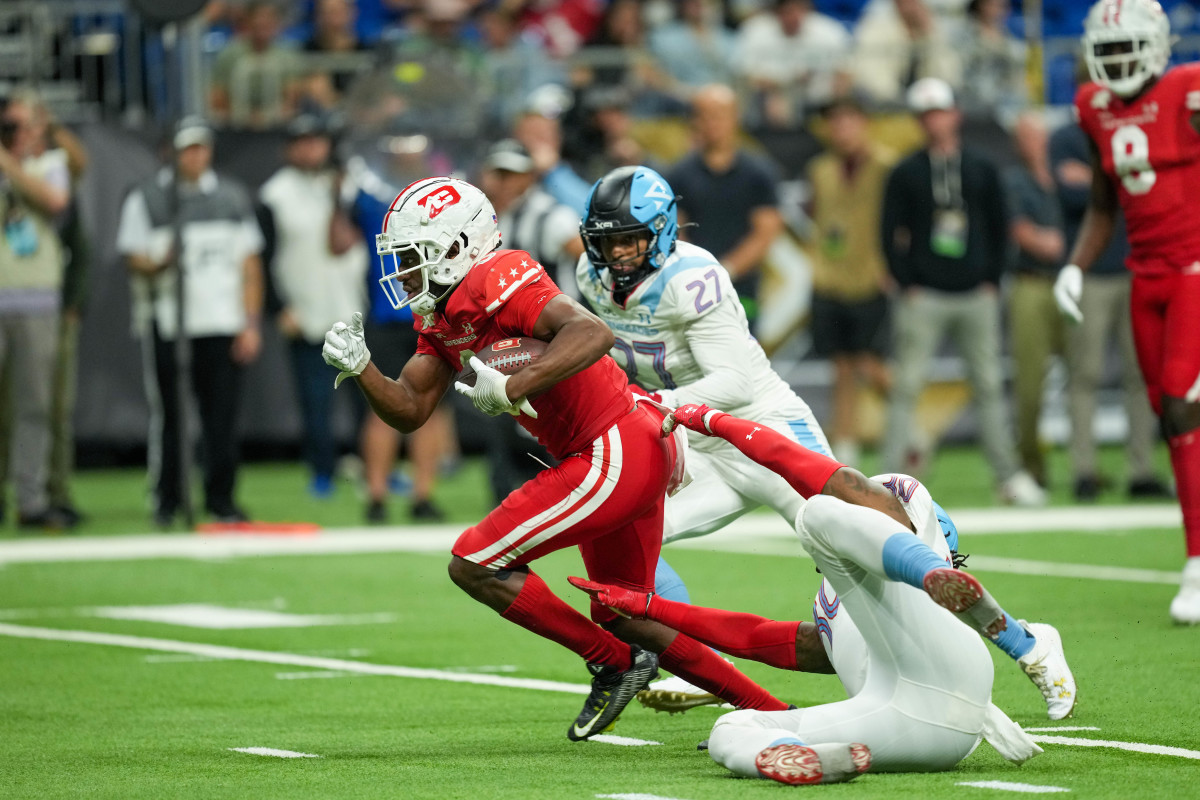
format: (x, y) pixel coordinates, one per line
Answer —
(684, 329)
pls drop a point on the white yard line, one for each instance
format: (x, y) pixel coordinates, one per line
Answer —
(623, 741)
(1133, 747)
(344, 666)
(271, 751)
(634, 795)
(1063, 728)
(290, 659)
(1007, 786)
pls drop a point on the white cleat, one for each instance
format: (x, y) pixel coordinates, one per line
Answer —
(1022, 490)
(804, 765)
(1185, 608)
(675, 695)
(1046, 666)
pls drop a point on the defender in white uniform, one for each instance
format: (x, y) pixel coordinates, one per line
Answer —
(682, 335)
(919, 680)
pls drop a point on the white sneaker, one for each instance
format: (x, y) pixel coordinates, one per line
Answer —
(675, 695)
(1046, 666)
(1022, 490)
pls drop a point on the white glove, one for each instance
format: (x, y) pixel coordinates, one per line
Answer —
(489, 393)
(346, 348)
(1068, 289)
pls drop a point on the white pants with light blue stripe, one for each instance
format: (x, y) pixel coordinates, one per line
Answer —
(726, 484)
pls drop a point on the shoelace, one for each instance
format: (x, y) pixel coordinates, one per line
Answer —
(1038, 673)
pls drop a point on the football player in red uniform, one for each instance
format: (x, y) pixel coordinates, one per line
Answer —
(1144, 124)
(439, 248)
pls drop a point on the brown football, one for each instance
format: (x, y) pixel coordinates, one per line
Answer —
(506, 356)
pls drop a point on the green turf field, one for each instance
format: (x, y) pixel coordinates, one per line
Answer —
(97, 710)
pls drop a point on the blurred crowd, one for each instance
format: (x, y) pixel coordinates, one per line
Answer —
(886, 161)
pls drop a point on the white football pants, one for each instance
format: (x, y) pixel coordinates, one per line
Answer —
(726, 484)
(928, 677)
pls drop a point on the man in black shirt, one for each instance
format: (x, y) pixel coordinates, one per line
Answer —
(729, 194)
(945, 239)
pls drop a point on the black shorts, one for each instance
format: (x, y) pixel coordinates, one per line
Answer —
(391, 344)
(847, 328)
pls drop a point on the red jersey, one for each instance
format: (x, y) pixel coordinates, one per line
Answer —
(1151, 152)
(500, 298)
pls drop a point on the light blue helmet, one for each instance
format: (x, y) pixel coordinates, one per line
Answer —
(949, 529)
(631, 200)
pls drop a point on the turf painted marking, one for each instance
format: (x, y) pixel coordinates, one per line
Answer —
(1134, 747)
(635, 795)
(289, 659)
(309, 674)
(623, 741)
(204, 615)
(1006, 786)
(271, 751)
(1063, 728)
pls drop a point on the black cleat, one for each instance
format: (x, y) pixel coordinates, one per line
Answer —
(612, 690)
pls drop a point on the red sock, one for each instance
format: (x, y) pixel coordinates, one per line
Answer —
(539, 610)
(743, 635)
(1185, 460)
(695, 663)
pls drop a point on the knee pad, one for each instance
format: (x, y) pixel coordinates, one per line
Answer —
(1179, 416)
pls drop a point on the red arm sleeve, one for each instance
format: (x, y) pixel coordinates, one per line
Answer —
(806, 470)
(742, 635)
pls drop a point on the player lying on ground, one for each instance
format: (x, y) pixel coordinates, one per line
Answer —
(439, 249)
(1143, 122)
(681, 332)
(919, 681)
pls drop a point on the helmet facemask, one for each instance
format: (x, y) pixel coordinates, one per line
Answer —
(601, 242)
(425, 258)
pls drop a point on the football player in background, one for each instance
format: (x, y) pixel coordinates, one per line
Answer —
(440, 254)
(1143, 121)
(919, 683)
(682, 336)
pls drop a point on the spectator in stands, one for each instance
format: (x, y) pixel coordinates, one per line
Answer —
(317, 278)
(619, 55)
(367, 197)
(218, 256)
(794, 60)
(333, 35)
(1036, 328)
(255, 78)
(1105, 306)
(35, 191)
(605, 136)
(729, 193)
(899, 43)
(563, 26)
(539, 129)
(943, 228)
(515, 64)
(695, 49)
(849, 275)
(993, 76)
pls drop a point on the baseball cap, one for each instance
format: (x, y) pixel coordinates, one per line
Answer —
(508, 155)
(191, 131)
(308, 124)
(549, 100)
(930, 94)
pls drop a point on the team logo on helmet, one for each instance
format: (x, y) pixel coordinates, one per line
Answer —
(439, 199)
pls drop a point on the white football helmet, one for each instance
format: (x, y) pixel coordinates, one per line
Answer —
(1126, 44)
(425, 223)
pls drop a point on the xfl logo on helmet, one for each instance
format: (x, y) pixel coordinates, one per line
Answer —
(438, 200)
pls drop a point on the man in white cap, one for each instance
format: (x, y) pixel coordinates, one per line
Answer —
(218, 255)
(945, 237)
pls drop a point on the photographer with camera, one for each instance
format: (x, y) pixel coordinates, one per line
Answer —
(35, 191)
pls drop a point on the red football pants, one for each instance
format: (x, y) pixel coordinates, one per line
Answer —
(1165, 309)
(607, 500)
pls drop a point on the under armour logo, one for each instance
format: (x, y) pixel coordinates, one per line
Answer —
(750, 435)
